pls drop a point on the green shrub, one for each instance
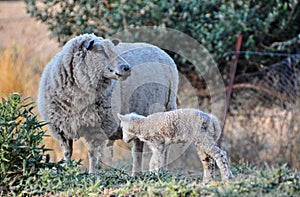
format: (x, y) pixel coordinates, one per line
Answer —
(22, 153)
(266, 25)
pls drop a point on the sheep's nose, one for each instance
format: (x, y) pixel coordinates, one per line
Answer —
(125, 67)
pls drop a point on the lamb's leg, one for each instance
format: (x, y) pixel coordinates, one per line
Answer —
(222, 161)
(165, 157)
(68, 148)
(109, 145)
(208, 164)
(152, 163)
(92, 160)
(157, 159)
(137, 155)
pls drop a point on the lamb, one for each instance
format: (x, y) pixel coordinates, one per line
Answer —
(161, 129)
(92, 79)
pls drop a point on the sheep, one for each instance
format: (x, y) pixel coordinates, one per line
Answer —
(160, 130)
(91, 79)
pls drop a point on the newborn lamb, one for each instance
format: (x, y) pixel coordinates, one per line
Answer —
(159, 130)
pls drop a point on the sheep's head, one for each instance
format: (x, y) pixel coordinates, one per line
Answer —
(126, 121)
(103, 60)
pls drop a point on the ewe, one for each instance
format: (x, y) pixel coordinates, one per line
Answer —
(92, 79)
(159, 130)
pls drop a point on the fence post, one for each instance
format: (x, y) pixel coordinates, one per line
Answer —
(230, 85)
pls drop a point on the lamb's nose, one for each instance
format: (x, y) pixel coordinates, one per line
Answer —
(125, 67)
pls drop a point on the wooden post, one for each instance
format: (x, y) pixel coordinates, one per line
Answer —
(230, 85)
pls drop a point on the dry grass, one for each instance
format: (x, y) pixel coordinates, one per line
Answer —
(25, 49)
(10, 70)
(266, 136)
(18, 74)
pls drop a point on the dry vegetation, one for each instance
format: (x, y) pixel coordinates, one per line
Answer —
(25, 49)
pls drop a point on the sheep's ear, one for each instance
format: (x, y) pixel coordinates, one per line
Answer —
(116, 41)
(89, 45)
(122, 118)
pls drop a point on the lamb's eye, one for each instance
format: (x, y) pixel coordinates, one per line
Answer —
(99, 48)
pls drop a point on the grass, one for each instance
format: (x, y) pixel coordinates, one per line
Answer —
(69, 180)
(20, 70)
(14, 74)
(24, 50)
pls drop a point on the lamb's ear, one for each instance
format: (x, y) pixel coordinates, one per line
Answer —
(89, 45)
(122, 118)
(116, 41)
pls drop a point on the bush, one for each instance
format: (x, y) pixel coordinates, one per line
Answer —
(266, 25)
(22, 153)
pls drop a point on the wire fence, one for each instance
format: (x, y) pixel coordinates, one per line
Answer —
(270, 54)
(263, 120)
(263, 125)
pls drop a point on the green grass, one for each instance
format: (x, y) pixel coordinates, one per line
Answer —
(69, 179)
(249, 181)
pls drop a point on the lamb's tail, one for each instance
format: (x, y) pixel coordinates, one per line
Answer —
(217, 126)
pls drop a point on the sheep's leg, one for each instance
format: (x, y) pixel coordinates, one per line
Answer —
(68, 148)
(137, 155)
(222, 162)
(208, 164)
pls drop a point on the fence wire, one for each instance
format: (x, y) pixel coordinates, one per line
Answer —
(264, 121)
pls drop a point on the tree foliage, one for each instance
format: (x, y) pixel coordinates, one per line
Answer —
(266, 25)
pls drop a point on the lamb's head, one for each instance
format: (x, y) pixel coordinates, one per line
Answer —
(102, 60)
(126, 124)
